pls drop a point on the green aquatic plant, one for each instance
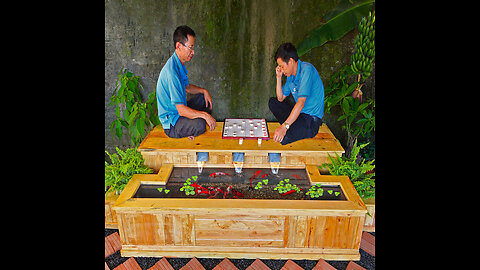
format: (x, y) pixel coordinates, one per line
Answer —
(315, 191)
(187, 186)
(285, 186)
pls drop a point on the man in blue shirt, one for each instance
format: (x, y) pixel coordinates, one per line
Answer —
(180, 118)
(303, 82)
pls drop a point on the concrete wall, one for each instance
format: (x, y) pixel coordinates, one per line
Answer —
(235, 44)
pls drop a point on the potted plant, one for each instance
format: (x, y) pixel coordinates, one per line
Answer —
(362, 175)
(117, 174)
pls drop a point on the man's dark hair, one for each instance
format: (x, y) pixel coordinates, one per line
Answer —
(286, 51)
(180, 34)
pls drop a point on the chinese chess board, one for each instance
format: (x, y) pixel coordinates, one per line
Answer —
(244, 128)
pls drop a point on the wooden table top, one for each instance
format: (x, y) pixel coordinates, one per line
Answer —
(212, 141)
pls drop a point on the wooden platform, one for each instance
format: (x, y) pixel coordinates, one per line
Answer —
(157, 148)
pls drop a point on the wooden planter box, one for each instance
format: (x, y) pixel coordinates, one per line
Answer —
(241, 228)
(369, 224)
(110, 215)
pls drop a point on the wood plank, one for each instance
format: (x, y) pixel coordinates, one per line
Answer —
(368, 237)
(243, 252)
(226, 264)
(352, 231)
(301, 229)
(353, 266)
(211, 141)
(323, 265)
(330, 225)
(120, 267)
(114, 241)
(165, 171)
(159, 229)
(258, 265)
(193, 264)
(131, 264)
(229, 243)
(262, 207)
(367, 243)
(260, 225)
(243, 229)
(108, 248)
(319, 236)
(169, 230)
(291, 265)
(162, 265)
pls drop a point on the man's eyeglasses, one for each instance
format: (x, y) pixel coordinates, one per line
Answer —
(191, 49)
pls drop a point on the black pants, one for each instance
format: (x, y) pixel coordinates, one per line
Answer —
(190, 127)
(306, 126)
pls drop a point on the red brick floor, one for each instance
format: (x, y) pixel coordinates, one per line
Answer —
(113, 244)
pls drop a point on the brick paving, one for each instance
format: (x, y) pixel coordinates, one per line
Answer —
(116, 262)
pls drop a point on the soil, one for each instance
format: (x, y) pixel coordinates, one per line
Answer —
(238, 183)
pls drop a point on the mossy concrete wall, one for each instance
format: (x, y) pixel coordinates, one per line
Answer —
(234, 51)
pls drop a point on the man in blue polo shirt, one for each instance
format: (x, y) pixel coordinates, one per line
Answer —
(303, 82)
(180, 118)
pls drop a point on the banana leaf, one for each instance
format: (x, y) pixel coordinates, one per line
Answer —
(335, 28)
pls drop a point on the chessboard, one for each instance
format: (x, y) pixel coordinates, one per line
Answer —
(245, 128)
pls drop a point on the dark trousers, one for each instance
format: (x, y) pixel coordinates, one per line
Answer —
(306, 126)
(190, 127)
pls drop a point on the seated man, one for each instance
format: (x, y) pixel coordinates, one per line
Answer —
(180, 118)
(303, 82)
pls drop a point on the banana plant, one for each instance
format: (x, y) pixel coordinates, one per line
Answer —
(343, 20)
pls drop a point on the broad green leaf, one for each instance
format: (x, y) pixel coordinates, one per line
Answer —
(345, 106)
(140, 126)
(118, 130)
(335, 28)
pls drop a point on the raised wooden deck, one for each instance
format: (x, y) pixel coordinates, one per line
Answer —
(157, 148)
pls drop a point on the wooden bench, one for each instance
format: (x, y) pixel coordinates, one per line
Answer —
(157, 148)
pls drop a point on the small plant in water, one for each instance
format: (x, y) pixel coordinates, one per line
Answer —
(284, 188)
(259, 184)
(162, 189)
(187, 186)
(315, 191)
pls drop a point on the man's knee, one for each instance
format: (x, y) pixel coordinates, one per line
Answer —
(272, 102)
(199, 126)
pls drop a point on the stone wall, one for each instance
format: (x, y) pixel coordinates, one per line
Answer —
(235, 45)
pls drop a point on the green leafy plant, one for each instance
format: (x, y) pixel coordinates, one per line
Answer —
(315, 191)
(360, 172)
(338, 23)
(187, 188)
(130, 111)
(358, 115)
(259, 184)
(124, 164)
(285, 186)
(162, 189)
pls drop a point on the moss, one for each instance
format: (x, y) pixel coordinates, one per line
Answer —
(236, 42)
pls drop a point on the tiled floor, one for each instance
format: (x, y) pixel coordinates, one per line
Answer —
(113, 245)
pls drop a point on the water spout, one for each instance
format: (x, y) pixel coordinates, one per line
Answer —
(274, 159)
(202, 157)
(238, 159)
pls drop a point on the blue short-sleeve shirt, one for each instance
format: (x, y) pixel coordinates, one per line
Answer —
(171, 85)
(307, 84)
